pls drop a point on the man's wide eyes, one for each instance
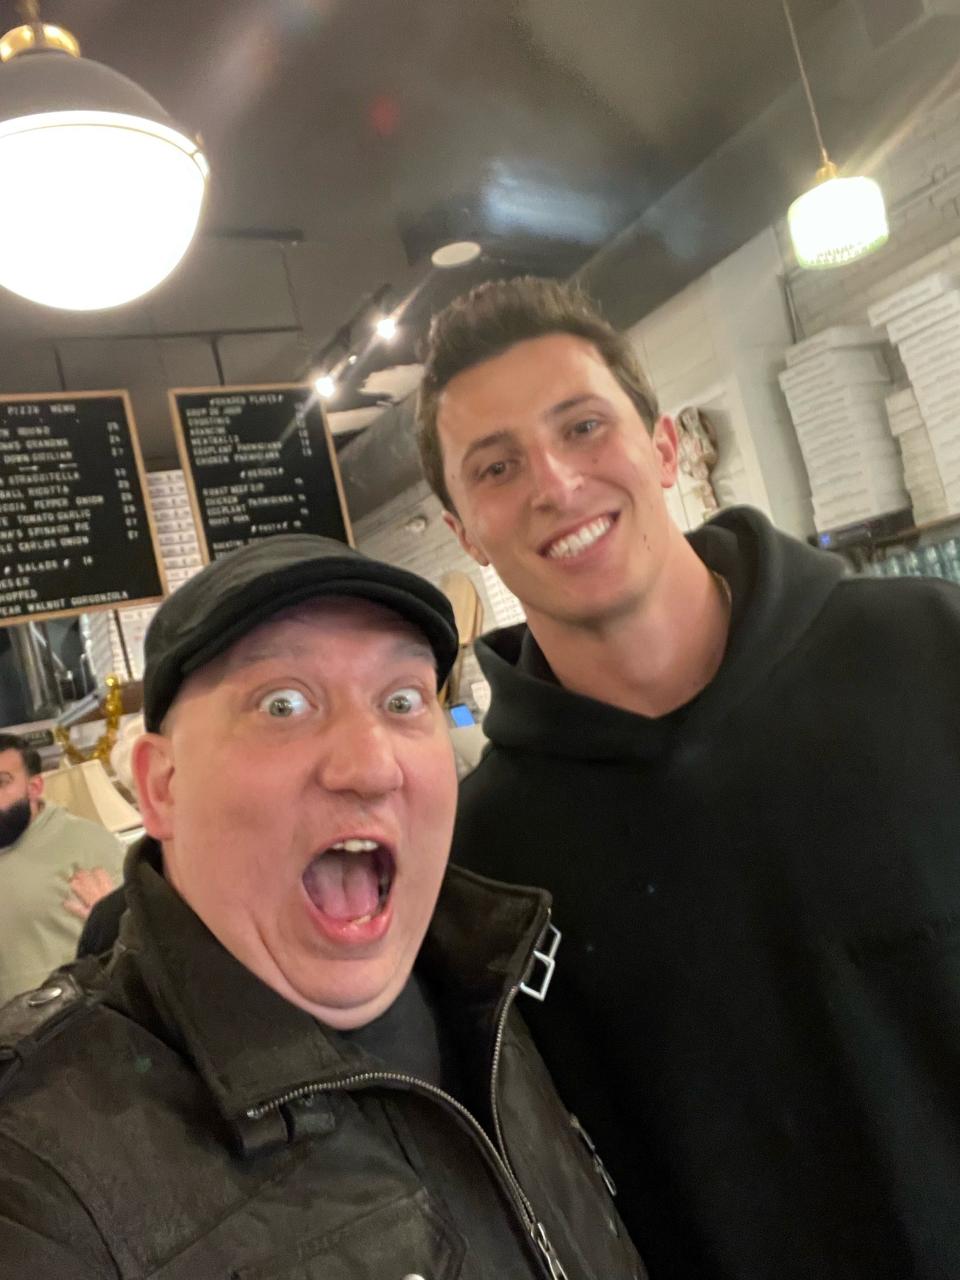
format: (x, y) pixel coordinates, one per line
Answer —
(284, 704)
(405, 702)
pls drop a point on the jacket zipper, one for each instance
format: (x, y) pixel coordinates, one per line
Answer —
(535, 1229)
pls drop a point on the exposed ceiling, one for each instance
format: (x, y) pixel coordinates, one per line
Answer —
(377, 128)
(372, 130)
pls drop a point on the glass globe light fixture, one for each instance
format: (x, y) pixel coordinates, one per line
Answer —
(840, 219)
(103, 192)
(837, 221)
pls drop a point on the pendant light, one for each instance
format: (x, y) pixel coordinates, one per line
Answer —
(102, 191)
(840, 219)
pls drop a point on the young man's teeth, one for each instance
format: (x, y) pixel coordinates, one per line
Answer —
(356, 846)
(574, 543)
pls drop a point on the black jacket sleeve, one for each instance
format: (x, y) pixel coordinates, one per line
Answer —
(102, 925)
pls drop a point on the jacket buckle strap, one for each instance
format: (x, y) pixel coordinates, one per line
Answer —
(546, 957)
(550, 1256)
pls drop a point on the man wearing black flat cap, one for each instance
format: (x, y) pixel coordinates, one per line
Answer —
(303, 1057)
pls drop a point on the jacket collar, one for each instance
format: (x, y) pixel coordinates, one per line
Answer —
(248, 1043)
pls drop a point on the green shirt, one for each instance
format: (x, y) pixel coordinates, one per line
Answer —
(37, 934)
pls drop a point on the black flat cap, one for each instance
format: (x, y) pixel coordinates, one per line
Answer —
(231, 596)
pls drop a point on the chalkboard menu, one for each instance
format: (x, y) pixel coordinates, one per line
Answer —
(258, 461)
(75, 531)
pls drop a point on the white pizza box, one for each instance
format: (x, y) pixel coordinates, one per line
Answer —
(921, 318)
(858, 506)
(879, 477)
(946, 423)
(823, 466)
(929, 380)
(939, 404)
(883, 497)
(867, 432)
(914, 295)
(850, 439)
(932, 373)
(901, 400)
(852, 453)
(930, 488)
(837, 369)
(903, 423)
(837, 336)
(839, 415)
(918, 451)
(946, 448)
(948, 473)
(926, 491)
(942, 355)
(834, 400)
(864, 507)
(936, 336)
(921, 477)
(917, 463)
(924, 512)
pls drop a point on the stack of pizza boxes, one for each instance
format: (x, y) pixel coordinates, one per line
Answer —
(923, 322)
(835, 385)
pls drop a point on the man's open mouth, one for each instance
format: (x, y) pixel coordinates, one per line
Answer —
(350, 881)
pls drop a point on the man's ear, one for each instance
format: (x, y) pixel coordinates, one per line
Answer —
(152, 764)
(35, 790)
(666, 445)
(473, 551)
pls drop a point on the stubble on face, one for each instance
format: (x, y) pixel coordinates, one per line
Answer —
(573, 449)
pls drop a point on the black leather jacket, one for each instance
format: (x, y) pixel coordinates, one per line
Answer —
(170, 1116)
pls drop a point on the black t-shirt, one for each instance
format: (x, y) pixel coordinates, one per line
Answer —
(407, 1039)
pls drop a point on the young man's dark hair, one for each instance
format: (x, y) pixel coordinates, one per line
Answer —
(495, 316)
(29, 755)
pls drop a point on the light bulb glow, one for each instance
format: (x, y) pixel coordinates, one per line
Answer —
(456, 254)
(838, 221)
(99, 207)
(387, 327)
(325, 386)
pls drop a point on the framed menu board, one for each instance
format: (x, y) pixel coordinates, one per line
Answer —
(258, 461)
(76, 533)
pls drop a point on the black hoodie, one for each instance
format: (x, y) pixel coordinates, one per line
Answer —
(756, 1008)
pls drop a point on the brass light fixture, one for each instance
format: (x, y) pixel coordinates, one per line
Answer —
(839, 219)
(104, 191)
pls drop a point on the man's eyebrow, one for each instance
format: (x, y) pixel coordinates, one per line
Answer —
(565, 405)
(5, 777)
(504, 436)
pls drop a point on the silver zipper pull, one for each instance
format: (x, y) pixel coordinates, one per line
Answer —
(598, 1164)
(554, 1264)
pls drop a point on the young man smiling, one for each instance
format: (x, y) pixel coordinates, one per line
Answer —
(293, 1065)
(736, 770)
